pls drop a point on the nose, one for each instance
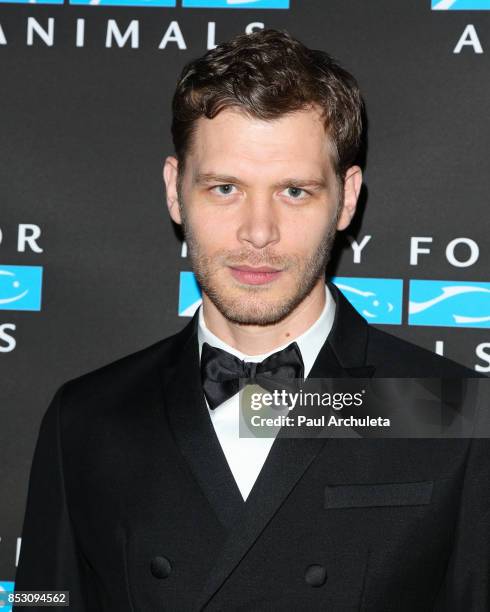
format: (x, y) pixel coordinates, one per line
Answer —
(259, 223)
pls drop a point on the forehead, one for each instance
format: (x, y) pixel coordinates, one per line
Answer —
(238, 143)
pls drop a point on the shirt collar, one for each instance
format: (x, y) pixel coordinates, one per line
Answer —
(309, 342)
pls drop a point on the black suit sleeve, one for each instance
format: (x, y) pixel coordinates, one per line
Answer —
(467, 582)
(48, 556)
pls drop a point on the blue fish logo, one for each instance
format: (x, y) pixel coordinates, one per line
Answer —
(31, 1)
(461, 5)
(20, 287)
(449, 303)
(140, 3)
(254, 4)
(6, 588)
(378, 300)
(189, 294)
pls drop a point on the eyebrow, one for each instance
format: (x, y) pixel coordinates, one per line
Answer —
(203, 178)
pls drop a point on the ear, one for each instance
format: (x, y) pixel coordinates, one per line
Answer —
(352, 188)
(170, 178)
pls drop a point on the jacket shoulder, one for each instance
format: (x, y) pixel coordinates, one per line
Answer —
(126, 376)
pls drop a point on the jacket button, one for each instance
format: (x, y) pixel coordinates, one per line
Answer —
(315, 575)
(160, 567)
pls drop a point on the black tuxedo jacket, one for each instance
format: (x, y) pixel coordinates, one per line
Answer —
(132, 506)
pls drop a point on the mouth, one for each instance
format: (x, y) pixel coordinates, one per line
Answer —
(254, 276)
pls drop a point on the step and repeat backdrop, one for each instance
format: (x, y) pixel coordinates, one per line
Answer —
(91, 268)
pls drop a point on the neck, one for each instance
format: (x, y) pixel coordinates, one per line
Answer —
(258, 339)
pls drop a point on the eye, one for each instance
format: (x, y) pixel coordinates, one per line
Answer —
(295, 193)
(224, 189)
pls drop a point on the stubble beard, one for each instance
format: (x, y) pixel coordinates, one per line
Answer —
(249, 305)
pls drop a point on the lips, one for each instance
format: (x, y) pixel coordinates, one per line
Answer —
(254, 276)
(253, 269)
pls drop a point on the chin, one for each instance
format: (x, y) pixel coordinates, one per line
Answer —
(243, 317)
(253, 310)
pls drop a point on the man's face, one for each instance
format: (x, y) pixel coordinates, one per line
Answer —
(260, 204)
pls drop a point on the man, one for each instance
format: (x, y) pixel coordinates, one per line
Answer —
(143, 496)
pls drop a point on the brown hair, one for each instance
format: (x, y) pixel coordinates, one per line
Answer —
(267, 74)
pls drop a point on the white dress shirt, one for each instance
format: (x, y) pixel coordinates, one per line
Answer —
(246, 456)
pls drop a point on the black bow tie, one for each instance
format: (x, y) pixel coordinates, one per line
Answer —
(223, 374)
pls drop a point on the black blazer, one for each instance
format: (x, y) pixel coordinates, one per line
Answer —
(132, 505)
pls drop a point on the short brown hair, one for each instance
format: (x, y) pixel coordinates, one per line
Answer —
(267, 74)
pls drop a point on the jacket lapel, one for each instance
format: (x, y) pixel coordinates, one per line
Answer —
(345, 351)
(342, 355)
(194, 431)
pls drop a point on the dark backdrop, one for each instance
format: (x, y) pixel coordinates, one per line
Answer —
(84, 132)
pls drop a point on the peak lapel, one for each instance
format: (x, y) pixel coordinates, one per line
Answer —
(345, 352)
(194, 431)
(342, 355)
